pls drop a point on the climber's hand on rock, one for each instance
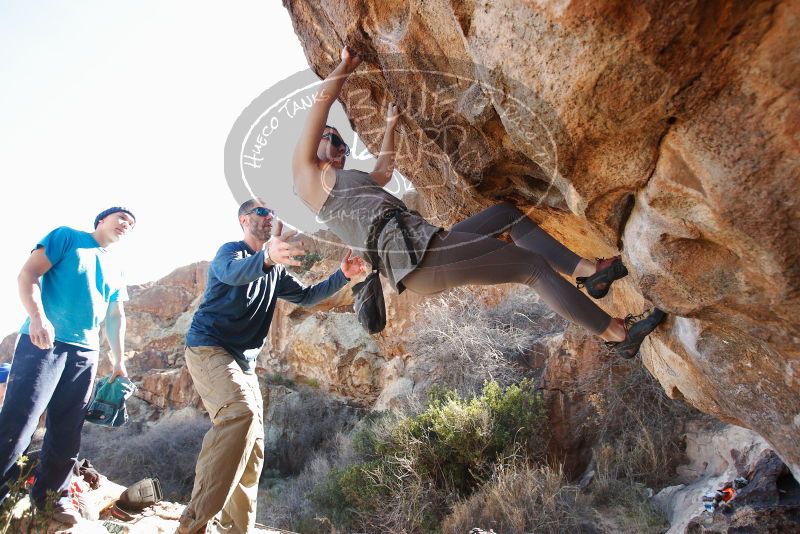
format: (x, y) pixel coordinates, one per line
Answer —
(392, 115)
(350, 59)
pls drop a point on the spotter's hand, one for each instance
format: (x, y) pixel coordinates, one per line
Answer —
(352, 266)
(281, 249)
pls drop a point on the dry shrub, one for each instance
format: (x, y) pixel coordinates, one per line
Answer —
(302, 421)
(286, 505)
(393, 497)
(472, 343)
(623, 499)
(638, 432)
(168, 450)
(636, 421)
(521, 498)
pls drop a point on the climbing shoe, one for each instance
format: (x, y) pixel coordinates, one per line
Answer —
(64, 511)
(608, 270)
(636, 329)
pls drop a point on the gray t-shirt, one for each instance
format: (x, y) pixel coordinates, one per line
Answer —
(356, 204)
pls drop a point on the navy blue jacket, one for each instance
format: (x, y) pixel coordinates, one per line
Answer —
(240, 299)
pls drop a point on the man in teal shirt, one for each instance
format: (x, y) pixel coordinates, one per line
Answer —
(68, 285)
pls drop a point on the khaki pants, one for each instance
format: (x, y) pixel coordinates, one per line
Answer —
(229, 464)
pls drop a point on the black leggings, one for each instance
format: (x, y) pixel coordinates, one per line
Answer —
(470, 254)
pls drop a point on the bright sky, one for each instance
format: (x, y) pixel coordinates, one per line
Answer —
(128, 103)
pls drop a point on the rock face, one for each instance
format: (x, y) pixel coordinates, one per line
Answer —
(570, 358)
(715, 455)
(770, 502)
(7, 347)
(161, 518)
(158, 316)
(668, 131)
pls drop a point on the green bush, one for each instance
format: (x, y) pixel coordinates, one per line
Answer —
(17, 512)
(308, 261)
(16, 492)
(520, 419)
(280, 380)
(411, 469)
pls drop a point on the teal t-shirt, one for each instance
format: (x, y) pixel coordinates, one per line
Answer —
(78, 287)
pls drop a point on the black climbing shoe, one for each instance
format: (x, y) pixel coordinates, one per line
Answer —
(599, 283)
(636, 329)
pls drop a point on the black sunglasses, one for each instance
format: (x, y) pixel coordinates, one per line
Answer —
(261, 212)
(337, 141)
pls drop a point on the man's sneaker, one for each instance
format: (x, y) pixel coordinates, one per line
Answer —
(608, 270)
(636, 329)
(64, 511)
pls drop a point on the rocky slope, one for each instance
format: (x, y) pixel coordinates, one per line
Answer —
(717, 454)
(667, 131)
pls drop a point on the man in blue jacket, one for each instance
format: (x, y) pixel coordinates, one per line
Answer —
(68, 285)
(227, 333)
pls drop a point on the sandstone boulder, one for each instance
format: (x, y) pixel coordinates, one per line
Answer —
(665, 130)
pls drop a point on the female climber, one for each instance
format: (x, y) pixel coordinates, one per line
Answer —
(425, 259)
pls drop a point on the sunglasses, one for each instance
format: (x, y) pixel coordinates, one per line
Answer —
(337, 141)
(261, 212)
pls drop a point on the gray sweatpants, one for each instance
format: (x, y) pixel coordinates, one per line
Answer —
(470, 254)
